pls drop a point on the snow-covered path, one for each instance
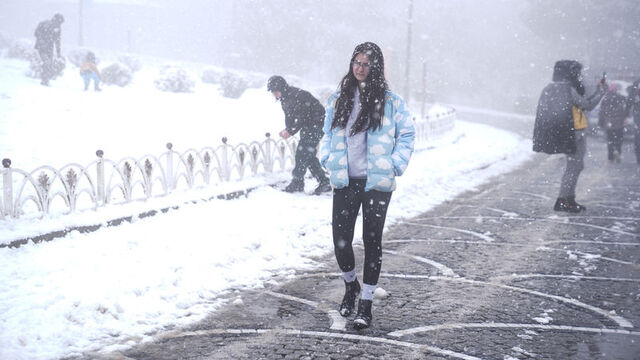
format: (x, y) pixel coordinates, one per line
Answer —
(86, 291)
(116, 285)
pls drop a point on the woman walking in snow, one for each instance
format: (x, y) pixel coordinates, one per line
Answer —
(368, 141)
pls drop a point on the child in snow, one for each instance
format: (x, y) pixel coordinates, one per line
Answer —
(89, 70)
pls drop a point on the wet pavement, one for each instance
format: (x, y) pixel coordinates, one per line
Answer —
(493, 274)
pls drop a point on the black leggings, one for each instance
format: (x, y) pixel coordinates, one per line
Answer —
(346, 204)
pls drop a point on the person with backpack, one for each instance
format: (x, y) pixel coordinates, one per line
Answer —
(48, 33)
(613, 113)
(369, 139)
(560, 126)
(302, 113)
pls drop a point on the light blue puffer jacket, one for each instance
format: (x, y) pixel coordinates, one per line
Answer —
(388, 148)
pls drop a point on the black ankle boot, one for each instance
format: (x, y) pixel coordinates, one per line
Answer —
(572, 201)
(363, 317)
(352, 289)
(294, 186)
(562, 204)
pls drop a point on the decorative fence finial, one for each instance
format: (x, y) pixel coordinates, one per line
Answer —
(6, 163)
(169, 146)
(99, 153)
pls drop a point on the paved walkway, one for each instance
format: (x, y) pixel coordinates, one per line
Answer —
(492, 274)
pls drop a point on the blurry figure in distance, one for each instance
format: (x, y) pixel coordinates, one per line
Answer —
(613, 112)
(47, 35)
(89, 71)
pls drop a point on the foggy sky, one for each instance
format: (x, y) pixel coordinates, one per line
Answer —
(484, 53)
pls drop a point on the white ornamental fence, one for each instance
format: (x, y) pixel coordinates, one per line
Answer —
(104, 181)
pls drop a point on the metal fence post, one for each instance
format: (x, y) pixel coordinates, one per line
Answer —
(268, 164)
(169, 167)
(100, 178)
(7, 185)
(226, 172)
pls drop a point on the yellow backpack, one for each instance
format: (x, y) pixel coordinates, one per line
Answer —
(579, 119)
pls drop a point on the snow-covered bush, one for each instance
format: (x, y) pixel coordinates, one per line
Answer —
(174, 79)
(35, 67)
(323, 94)
(77, 56)
(212, 75)
(233, 85)
(5, 40)
(256, 81)
(133, 63)
(116, 74)
(22, 49)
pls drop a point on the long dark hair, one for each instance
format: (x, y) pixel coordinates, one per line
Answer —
(372, 97)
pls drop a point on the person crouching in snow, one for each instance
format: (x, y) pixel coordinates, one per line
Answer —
(369, 138)
(305, 114)
(89, 71)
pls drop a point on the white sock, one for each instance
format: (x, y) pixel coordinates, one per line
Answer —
(367, 291)
(349, 276)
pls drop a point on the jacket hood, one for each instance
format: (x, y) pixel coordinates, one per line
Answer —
(277, 83)
(569, 71)
(566, 70)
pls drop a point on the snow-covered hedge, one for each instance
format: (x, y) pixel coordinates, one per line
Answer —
(323, 94)
(116, 74)
(233, 85)
(77, 56)
(5, 40)
(212, 75)
(22, 49)
(35, 67)
(132, 62)
(174, 79)
(256, 81)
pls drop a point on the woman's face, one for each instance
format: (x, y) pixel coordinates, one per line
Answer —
(361, 67)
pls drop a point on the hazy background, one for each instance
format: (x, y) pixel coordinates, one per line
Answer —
(490, 53)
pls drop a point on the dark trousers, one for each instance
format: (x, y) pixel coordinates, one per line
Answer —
(47, 65)
(306, 159)
(575, 165)
(346, 204)
(614, 141)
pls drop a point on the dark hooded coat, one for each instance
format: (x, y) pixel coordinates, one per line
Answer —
(613, 111)
(47, 35)
(553, 131)
(303, 113)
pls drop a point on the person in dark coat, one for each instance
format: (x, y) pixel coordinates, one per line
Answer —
(560, 126)
(47, 37)
(633, 107)
(302, 113)
(613, 113)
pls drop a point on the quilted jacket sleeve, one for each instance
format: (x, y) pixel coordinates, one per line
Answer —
(325, 142)
(404, 138)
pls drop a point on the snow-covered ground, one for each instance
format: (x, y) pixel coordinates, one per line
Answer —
(117, 286)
